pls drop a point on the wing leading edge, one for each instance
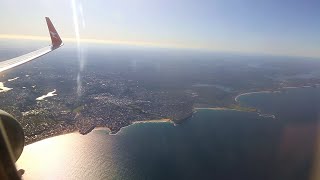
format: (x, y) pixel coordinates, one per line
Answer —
(56, 42)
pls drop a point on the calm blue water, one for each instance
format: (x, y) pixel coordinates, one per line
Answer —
(210, 145)
(291, 104)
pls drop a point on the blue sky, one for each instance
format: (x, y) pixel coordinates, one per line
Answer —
(286, 27)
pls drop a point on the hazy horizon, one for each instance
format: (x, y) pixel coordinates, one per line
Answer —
(287, 28)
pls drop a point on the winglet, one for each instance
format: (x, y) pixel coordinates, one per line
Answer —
(55, 38)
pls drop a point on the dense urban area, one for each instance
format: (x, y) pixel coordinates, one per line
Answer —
(53, 96)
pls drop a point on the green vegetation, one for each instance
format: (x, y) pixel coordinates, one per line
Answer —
(78, 109)
(242, 108)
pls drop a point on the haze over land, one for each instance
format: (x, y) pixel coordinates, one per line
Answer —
(120, 85)
(233, 86)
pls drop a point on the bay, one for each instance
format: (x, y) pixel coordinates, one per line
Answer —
(213, 144)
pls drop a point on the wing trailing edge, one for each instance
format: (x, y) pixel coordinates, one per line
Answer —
(56, 42)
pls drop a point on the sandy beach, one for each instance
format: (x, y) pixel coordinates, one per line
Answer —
(153, 121)
(248, 93)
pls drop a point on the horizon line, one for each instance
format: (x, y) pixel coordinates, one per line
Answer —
(97, 41)
(149, 44)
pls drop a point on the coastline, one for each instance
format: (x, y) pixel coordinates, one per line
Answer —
(175, 122)
(153, 121)
(239, 110)
(135, 122)
(274, 91)
(220, 109)
(101, 128)
(236, 99)
(248, 93)
(51, 136)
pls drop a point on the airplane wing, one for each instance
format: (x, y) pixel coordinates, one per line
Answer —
(56, 42)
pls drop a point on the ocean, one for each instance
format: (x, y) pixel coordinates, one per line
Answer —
(213, 144)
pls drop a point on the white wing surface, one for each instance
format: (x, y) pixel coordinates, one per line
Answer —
(56, 42)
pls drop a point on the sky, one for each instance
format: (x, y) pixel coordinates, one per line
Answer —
(278, 27)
